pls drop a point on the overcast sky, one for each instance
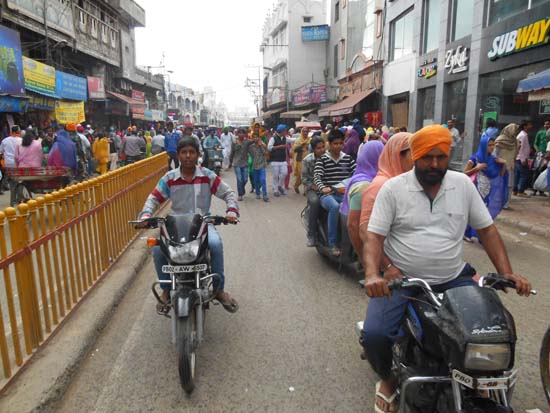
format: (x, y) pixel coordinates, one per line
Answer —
(206, 43)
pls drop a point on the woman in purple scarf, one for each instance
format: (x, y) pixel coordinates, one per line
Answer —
(366, 170)
(63, 152)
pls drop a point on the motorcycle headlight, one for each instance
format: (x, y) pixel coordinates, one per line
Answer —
(487, 357)
(185, 253)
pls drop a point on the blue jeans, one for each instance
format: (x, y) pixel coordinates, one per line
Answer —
(242, 178)
(520, 177)
(332, 204)
(216, 260)
(259, 181)
(384, 319)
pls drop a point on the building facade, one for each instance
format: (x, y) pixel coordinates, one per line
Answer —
(293, 45)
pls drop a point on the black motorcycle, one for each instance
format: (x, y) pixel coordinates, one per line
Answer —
(455, 351)
(214, 160)
(348, 259)
(183, 241)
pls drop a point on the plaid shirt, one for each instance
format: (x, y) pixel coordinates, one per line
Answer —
(190, 197)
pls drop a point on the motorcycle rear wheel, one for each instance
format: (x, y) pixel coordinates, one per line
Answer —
(187, 361)
(545, 364)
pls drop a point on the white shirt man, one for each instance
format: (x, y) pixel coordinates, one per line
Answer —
(8, 146)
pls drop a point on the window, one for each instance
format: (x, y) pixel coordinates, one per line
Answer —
(335, 66)
(463, 13)
(500, 10)
(307, 19)
(342, 49)
(454, 107)
(401, 36)
(425, 107)
(379, 25)
(432, 10)
(336, 11)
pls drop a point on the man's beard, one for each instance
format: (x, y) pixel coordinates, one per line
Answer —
(430, 177)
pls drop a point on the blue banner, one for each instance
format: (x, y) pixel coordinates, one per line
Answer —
(12, 81)
(12, 104)
(71, 87)
(315, 33)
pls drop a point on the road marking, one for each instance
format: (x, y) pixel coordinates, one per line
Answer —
(534, 411)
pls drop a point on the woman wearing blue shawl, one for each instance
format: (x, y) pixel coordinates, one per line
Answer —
(490, 176)
(366, 170)
(63, 152)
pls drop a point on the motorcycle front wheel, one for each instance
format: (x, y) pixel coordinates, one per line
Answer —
(187, 361)
(545, 364)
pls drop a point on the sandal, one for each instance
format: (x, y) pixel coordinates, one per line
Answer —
(387, 400)
(163, 308)
(229, 303)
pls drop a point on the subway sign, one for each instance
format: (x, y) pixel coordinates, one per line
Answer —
(526, 37)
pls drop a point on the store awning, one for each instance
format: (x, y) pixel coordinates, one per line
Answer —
(270, 113)
(537, 82)
(296, 114)
(345, 106)
(126, 99)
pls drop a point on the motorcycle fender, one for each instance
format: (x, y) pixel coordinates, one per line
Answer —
(184, 306)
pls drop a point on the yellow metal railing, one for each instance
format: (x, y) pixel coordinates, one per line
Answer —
(54, 248)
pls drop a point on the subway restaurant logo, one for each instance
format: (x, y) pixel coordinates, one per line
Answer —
(533, 35)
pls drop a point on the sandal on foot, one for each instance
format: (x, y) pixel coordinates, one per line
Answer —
(163, 308)
(230, 304)
(387, 400)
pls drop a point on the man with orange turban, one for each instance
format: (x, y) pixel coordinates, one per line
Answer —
(416, 230)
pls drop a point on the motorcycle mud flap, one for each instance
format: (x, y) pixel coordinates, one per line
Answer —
(185, 304)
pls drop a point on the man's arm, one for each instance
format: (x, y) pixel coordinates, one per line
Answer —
(307, 179)
(160, 194)
(270, 144)
(222, 191)
(318, 174)
(375, 285)
(494, 246)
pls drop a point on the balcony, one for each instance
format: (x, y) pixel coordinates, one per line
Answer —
(130, 11)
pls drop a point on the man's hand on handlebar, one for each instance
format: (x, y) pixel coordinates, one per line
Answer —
(523, 286)
(232, 219)
(376, 286)
(142, 224)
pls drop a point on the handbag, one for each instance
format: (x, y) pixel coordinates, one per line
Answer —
(541, 184)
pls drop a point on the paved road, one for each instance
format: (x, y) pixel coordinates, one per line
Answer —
(291, 346)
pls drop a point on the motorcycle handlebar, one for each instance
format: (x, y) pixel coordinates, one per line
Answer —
(153, 222)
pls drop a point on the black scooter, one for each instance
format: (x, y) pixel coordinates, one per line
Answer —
(348, 259)
(455, 351)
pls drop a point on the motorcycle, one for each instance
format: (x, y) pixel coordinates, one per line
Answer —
(455, 351)
(214, 160)
(348, 258)
(183, 240)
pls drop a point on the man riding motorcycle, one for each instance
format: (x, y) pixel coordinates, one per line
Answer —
(416, 230)
(190, 188)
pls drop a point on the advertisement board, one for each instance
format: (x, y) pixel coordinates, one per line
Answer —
(315, 33)
(69, 112)
(96, 88)
(309, 94)
(71, 87)
(11, 65)
(12, 104)
(39, 78)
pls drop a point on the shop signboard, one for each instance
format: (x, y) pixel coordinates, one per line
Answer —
(318, 94)
(138, 111)
(456, 60)
(315, 33)
(138, 95)
(96, 88)
(66, 112)
(300, 96)
(427, 69)
(13, 104)
(116, 107)
(71, 87)
(523, 38)
(148, 115)
(11, 64)
(158, 115)
(544, 108)
(373, 118)
(39, 78)
(37, 102)
(59, 14)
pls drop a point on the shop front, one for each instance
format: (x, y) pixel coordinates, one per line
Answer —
(511, 51)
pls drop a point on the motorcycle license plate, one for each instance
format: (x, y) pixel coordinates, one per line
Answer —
(175, 269)
(485, 383)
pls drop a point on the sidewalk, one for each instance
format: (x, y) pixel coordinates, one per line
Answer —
(530, 215)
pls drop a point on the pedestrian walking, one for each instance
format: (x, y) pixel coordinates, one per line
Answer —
(28, 154)
(522, 167)
(277, 148)
(171, 139)
(226, 139)
(506, 147)
(258, 151)
(238, 158)
(299, 150)
(157, 143)
(133, 147)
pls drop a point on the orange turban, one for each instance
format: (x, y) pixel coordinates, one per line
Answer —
(70, 126)
(429, 137)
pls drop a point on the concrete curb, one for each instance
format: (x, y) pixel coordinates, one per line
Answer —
(524, 226)
(48, 375)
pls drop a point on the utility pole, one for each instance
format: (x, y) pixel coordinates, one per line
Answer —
(45, 17)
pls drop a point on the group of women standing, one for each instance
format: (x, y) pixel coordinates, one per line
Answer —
(377, 163)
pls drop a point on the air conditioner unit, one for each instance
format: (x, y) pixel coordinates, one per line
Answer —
(378, 5)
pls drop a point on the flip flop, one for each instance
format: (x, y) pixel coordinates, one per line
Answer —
(230, 305)
(385, 399)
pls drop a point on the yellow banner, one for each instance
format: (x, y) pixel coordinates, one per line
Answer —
(39, 77)
(66, 112)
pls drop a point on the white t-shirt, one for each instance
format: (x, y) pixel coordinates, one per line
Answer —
(423, 239)
(455, 134)
(548, 147)
(7, 148)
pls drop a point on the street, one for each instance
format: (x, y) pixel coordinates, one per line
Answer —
(291, 346)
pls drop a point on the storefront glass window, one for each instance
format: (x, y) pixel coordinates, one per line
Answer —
(426, 106)
(500, 10)
(455, 108)
(463, 13)
(432, 10)
(401, 35)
